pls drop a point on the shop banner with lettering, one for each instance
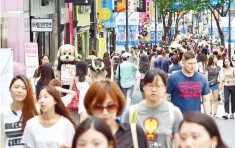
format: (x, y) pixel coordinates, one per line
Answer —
(121, 5)
(6, 75)
(121, 35)
(226, 34)
(142, 6)
(31, 58)
(109, 6)
(102, 47)
(133, 35)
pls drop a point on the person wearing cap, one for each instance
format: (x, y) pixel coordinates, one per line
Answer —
(126, 76)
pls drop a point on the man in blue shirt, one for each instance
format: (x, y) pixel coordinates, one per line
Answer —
(187, 87)
(161, 61)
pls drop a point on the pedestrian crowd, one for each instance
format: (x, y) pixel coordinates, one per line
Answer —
(180, 85)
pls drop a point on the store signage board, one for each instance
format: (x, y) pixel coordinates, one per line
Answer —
(41, 25)
(79, 2)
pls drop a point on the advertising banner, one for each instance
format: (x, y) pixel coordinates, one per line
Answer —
(41, 25)
(6, 75)
(121, 35)
(121, 5)
(142, 6)
(152, 37)
(102, 47)
(68, 72)
(133, 35)
(108, 6)
(31, 58)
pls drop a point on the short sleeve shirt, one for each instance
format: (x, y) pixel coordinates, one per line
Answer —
(37, 136)
(157, 124)
(186, 91)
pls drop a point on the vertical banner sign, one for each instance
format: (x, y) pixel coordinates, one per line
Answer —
(121, 5)
(130, 6)
(121, 35)
(142, 6)
(147, 5)
(102, 47)
(31, 58)
(71, 23)
(108, 4)
(6, 75)
(133, 40)
(172, 31)
(159, 36)
(226, 33)
(152, 37)
(233, 34)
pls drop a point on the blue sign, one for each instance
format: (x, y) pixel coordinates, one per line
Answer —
(110, 23)
(172, 31)
(152, 37)
(178, 6)
(226, 34)
(121, 35)
(133, 35)
(214, 2)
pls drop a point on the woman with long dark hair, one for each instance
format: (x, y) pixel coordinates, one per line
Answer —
(108, 66)
(54, 127)
(144, 66)
(47, 74)
(228, 85)
(199, 131)
(15, 116)
(212, 75)
(93, 132)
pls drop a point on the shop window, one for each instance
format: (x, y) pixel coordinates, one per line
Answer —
(3, 33)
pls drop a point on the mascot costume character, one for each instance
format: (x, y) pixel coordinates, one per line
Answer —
(67, 59)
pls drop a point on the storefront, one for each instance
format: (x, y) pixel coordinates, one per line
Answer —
(14, 27)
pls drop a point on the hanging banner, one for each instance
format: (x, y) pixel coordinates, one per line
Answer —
(152, 37)
(142, 6)
(121, 35)
(133, 34)
(102, 47)
(121, 5)
(109, 21)
(31, 58)
(6, 75)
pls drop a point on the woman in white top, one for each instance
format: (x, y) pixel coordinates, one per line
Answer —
(15, 116)
(83, 82)
(54, 128)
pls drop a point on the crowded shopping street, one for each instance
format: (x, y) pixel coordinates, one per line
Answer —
(117, 74)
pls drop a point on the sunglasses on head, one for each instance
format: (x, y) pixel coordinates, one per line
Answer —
(99, 108)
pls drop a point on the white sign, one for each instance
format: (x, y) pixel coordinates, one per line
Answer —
(6, 75)
(68, 71)
(64, 15)
(41, 25)
(31, 58)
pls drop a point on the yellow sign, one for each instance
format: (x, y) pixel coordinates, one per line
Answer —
(104, 14)
(102, 47)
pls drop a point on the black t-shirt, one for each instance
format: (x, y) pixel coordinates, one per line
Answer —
(124, 136)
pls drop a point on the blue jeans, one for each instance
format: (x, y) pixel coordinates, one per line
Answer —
(127, 92)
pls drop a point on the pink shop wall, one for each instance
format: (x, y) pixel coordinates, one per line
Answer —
(17, 34)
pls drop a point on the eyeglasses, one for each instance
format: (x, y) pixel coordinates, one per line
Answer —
(154, 86)
(98, 108)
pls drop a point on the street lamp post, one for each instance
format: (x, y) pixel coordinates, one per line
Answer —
(229, 37)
